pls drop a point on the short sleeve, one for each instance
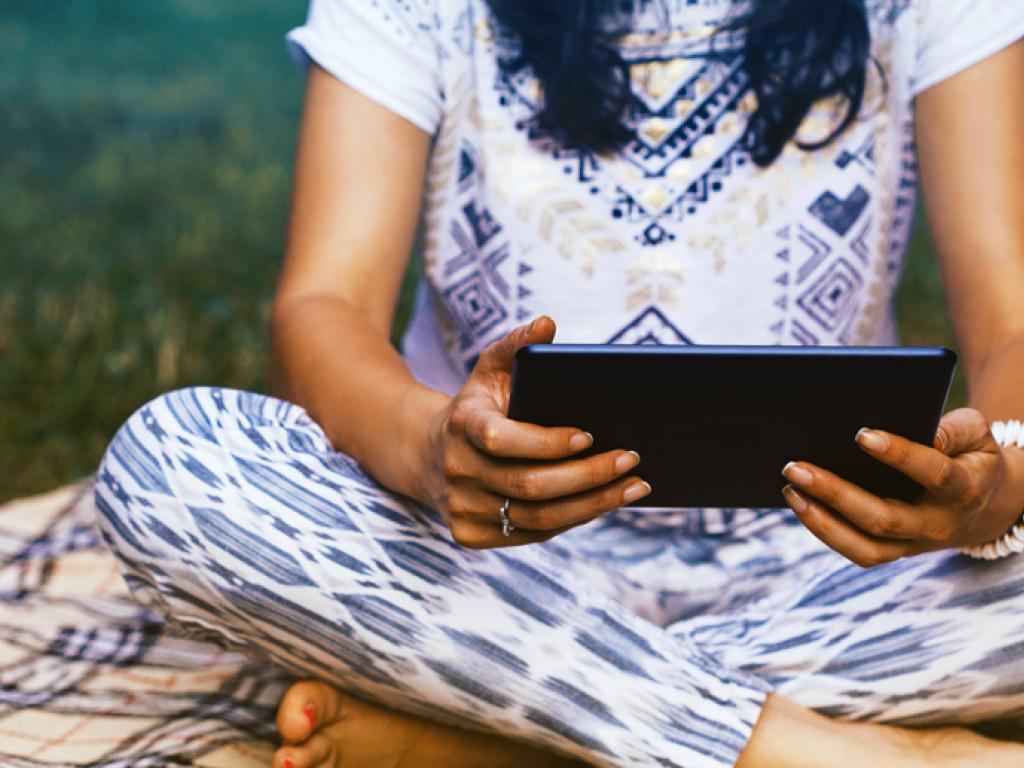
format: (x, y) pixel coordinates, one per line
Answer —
(957, 34)
(385, 49)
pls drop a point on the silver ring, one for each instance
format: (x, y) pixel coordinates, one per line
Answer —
(506, 524)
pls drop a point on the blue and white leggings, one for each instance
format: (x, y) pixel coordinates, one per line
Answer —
(645, 638)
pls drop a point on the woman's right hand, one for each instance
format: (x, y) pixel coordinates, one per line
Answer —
(477, 458)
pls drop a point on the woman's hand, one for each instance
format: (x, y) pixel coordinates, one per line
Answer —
(476, 457)
(966, 500)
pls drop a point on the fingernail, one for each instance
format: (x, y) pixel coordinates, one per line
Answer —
(872, 440)
(797, 474)
(287, 763)
(581, 441)
(310, 714)
(636, 491)
(530, 328)
(627, 461)
(794, 499)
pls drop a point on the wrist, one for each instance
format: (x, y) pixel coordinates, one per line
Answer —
(419, 424)
(1009, 495)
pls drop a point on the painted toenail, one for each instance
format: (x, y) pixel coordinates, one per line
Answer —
(310, 714)
(287, 763)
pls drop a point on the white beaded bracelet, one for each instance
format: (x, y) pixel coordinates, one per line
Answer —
(1009, 434)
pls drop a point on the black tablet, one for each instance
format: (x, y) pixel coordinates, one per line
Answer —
(714, 426)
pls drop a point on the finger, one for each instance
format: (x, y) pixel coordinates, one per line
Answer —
(501, 355)
(487, 533)
(932, 468)
(884, 519)
(581, 508)
(474, 534)
(540, 482)
(853, 544)
(482, 506)
(964, 430)
(316, 752)
(496, 435)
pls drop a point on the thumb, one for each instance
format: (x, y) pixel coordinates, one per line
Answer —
(963, 431)
(501, 355)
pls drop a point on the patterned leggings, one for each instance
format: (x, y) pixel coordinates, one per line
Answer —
(645, 638)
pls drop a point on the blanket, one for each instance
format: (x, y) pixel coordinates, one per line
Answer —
(88, 678)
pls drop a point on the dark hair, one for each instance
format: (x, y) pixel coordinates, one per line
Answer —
(796, 52)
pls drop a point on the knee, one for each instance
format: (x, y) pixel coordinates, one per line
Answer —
(176, 442)
(180, 444)
(211, 416)
(138, 454)
(136, 468)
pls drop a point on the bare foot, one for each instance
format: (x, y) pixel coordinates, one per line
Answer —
(322, 727)
(790, 736)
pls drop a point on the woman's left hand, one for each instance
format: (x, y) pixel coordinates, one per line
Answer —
(962, 506)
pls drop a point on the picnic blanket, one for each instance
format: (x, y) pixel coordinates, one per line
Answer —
(89, 678)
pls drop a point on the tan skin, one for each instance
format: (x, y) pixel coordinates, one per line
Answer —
(359, 176)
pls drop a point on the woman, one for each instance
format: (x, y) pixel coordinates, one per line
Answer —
(674, 172)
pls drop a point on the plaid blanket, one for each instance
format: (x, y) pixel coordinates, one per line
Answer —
(89, 678)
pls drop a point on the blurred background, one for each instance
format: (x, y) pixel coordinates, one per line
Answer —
(145, 155)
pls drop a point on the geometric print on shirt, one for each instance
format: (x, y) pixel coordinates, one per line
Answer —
(506, 203)
(685, 112)
(641, 639)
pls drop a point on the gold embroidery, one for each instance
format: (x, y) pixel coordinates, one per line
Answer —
(680, 170)
(535, 91)
(748, 104)
(566, 206)
(661, 263)
(661, 78)
(588, 260)
(562, 221)
(667, 295)
(729, 125)
(587, 225)
(634, 39)
(683, 107)
(654, 197)
(808, 165)
(609, 244)
(566, 243)
(759, 204)
(485, 33)
(761, 211)
(704, 87)
(706, 148)
(547, 223)
(629, 173)
(654, 129)
(639, 297)
(714, 244)
(531, 191)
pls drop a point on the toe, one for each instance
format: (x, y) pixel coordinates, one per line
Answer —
(318, 752)
(305, 707)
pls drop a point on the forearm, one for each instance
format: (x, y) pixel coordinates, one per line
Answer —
(328, 359)
(997, 386)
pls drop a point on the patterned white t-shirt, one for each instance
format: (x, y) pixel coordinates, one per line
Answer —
(679, 238)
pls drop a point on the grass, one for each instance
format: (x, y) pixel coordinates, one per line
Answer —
(146, 150)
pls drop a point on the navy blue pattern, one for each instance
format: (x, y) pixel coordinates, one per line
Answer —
(629, 642)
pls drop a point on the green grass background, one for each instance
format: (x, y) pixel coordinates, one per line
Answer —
(145, 154)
